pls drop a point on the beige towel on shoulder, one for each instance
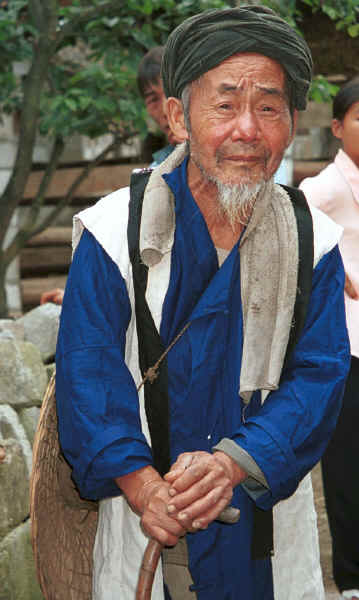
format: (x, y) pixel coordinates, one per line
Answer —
(269, 271)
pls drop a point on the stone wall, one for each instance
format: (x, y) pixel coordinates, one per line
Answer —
(27, 349)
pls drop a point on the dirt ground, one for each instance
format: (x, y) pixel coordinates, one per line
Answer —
(324, 536)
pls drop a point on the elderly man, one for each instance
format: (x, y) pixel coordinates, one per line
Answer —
(205, 266)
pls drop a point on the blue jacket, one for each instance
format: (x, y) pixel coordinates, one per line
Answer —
(99, 421)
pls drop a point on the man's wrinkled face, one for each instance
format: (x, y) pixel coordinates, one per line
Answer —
(240, 122)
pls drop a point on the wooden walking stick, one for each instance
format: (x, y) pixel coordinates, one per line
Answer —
(153, 552)
(148, 569)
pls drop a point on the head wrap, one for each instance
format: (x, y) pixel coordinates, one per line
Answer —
(205, 40)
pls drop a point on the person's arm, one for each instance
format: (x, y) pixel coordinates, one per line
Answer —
(97, 401)
(293, 427)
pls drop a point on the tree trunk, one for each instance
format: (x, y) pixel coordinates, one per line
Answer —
(3, 300)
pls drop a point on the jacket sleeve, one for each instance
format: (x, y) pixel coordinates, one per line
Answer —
(97, 401)
(291, 430)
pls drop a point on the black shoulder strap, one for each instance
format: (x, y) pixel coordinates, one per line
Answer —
(150, 346)
(305, 267)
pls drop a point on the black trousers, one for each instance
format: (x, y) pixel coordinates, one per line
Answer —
(340, 468)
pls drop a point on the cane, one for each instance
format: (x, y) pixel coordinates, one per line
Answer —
(153, 552)
(148, 569)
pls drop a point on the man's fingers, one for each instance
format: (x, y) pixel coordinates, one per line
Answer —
(189, 489)
(157, 523)
(165, 522)
(215, 500)
(184, 472)
(172, 475)
(162, 536)
(182, 463)
(204, 511)
(211, 515)
(188, 478)
(201, 487)
(200, 476)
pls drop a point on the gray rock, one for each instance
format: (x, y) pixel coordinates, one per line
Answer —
(14, 485)
(23, 378)
(11, 329)
(11, 428)
(17, 569)
(41, 328)
(29, 418)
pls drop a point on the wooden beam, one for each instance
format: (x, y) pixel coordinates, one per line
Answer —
(32, 288)
(52, 236)
(36, 260)
(101, 181)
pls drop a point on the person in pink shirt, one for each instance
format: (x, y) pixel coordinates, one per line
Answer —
(336, 192)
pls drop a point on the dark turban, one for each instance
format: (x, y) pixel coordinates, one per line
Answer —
(205, 40)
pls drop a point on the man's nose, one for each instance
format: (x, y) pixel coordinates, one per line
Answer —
(245, 126)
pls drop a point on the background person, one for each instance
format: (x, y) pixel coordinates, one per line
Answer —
(151, 89)
(242, 426)
(336, 192)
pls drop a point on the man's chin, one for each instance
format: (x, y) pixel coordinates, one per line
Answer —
(244, 177)
(247, 181)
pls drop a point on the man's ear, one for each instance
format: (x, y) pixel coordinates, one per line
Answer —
(176, 119)
(337, 129)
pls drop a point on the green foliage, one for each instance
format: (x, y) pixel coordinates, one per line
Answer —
(344, 12)
(322, 90)
(284, 8)
(346, 15)
(91, 86)
(14, 48)
(94, 91)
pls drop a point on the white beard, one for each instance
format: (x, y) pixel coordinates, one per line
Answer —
(236, 201)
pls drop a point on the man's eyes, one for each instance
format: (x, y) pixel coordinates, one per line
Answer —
(266, 108)
(269, 109)
(225, 106)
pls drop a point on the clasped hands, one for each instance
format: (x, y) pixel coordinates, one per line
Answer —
(191, 495)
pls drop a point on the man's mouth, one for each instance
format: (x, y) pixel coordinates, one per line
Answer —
(243, 158)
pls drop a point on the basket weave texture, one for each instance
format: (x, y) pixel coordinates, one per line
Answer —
(63, 525)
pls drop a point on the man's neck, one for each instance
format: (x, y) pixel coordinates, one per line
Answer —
(205, 193)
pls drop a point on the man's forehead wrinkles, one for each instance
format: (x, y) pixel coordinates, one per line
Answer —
(240, 87)
(271, 90)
